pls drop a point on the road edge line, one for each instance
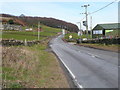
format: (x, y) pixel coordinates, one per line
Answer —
(73, 76)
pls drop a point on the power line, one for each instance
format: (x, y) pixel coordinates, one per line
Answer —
(100, 9)
(104, 7)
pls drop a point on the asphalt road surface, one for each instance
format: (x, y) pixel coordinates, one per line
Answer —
(90, 68)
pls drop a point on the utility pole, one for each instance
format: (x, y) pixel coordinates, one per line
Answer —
(91, 25)
(86, 13)
(38, 31)
(80, 30)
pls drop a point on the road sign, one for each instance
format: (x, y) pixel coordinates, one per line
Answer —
(70, 37)
(85, 23)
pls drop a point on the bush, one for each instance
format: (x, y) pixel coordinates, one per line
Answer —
(11, 21)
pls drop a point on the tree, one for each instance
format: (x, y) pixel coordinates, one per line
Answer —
(11, 21)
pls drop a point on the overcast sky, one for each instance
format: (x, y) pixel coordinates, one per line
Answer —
(68, 11)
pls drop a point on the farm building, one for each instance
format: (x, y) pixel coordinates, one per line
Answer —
(106, 30)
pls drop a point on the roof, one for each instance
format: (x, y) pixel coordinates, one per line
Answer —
(107, 26)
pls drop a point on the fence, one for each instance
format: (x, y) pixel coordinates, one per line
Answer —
(12, 42)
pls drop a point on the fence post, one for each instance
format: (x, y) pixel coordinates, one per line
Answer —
(25, 43)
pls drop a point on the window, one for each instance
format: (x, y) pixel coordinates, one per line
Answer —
(98, 32)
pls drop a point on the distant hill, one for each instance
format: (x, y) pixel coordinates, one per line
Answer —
(5, 19)
(52, 22)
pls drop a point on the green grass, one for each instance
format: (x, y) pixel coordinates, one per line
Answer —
(38, 69)
(50, 29)
(15, 85)
(102, 46)
(31, 35)
(8, 35)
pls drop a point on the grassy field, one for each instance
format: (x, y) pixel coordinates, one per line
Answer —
(30, 35)
(31, 67)
(18, 36)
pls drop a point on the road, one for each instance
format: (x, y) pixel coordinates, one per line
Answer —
(90, 68)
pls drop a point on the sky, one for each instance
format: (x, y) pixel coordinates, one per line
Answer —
(69, 10)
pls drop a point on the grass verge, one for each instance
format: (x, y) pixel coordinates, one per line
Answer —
(114, 48)
(31, 67)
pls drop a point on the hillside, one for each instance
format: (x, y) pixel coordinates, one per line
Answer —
(16, 21)
(51, 22)
(31, 35)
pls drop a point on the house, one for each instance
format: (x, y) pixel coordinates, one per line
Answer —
(106, 30)
(28, 29)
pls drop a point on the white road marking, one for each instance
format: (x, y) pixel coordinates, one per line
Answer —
(67, 68)
(80, 86)
(93, 55)
(71, 73)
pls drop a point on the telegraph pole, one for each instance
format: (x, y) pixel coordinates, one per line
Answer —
(80, 30)
(91, 25)
(38, 31)
(86, 13)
